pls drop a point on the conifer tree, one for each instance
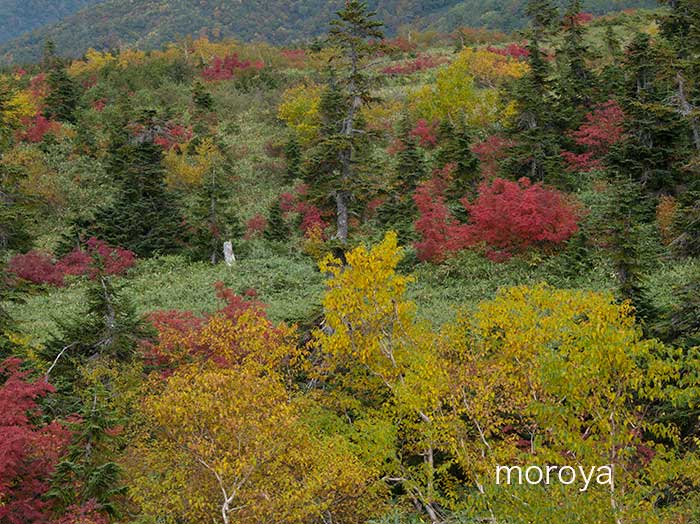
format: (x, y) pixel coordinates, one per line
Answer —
(292, 153)
(215, 220)
(144, 217)
(398, 212)
(652, 130)
(537, 153)
(354, 32)
(277, 228)
(456, 140)
(62, 99)
(576, 83)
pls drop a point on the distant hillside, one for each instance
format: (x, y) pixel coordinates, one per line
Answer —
(19, 16)
(151, 23)
(509, 15)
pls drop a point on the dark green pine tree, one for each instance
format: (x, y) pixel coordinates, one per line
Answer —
(277, 229)
(398, 211)
(292, 154)
(680, 26)
(456, 141)
(628, 210)
(543, 15)
(7, 323)
(107, 329)
(355, 33)
(652, 129)
(63, 97)
(687, 221)
(105, 334)
(576, 81)
(537, 153)
(144, 217)
(215, 219)
(203, 109)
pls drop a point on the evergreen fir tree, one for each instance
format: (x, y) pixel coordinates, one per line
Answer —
(537, 151)
(398, 211)
(455, 148)
(144, 217)
(355, 33)
(216, 221)
(292, 153)
(277, 228)
(62, 101)
(577, 82)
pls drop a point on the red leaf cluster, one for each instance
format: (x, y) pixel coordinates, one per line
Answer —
(603, 128)
(508, 217)
(255, 226)
(420, 63)
(426, 133)
(29, 450)
(180, 333)
(87, 513)
(490, 152)
(441, 234)
(511, 217)
(174, 134)
(39, 268)
(226, 68)
(36, 128)
(310, 215)
(513, 50)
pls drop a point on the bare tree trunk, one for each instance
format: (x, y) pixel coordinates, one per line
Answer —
(341, 199)
(687, 110)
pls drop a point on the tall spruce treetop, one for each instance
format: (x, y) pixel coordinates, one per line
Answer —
(576, 79)
(543, 16)
(354, 33)
(144, 217)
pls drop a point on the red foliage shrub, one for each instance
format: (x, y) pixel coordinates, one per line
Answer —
(513, 50)
(420, 63)
(29, 450)
(603, 128)
(310, 216)
(399, 45)
(426, 133)
(510, 217)
(441, 234)
(88, 513)
(174, 134)
(490, 152)
(255, 226)
(38, 267)
(226, 68)
(99, 105)
(296, 58)
(36, 128)
(180, 332)
(38, 86)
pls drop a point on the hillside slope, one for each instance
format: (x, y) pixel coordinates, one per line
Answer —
(149, 24)
(20, 16)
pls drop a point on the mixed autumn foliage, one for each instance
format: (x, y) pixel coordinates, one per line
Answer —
(500, 240)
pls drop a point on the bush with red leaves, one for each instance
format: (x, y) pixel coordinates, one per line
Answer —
(517, 51)
(173, 135)
(441, 234)
(310, 217)
(228, 67)
(426, 133)
(603, 128)
(255, 227)
(490, 152)
(88, 513)
(36, 128)
(511, 217)
(420, 63)
(29, 450)
(39, 268)
(180, 337)
(507, 217)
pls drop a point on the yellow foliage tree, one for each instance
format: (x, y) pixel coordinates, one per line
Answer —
(300, 110)
(375, 347)
(183, 170)
(468, 86)
(541, 376)
(93, 62)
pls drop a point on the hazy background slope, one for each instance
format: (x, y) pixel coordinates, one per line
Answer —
(151, 23)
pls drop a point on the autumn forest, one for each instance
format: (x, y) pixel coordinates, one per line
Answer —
(347, 277)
